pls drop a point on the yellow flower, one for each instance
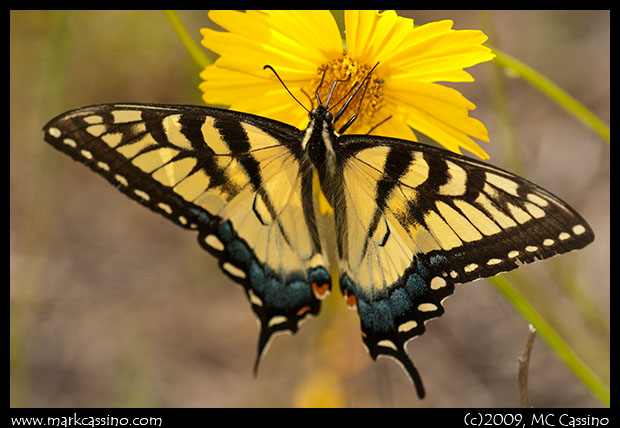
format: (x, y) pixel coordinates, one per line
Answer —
(322, 389)
(402, 96)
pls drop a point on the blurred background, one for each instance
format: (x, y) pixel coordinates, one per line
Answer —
(112, 305)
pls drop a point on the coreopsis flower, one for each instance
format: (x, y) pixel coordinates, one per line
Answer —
(403, 95)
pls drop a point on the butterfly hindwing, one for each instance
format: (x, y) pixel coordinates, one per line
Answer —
(234, 178)
(416, 220)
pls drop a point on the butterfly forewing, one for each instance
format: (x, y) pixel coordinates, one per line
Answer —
(236, 179)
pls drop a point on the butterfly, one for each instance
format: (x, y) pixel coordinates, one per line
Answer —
(410, 221)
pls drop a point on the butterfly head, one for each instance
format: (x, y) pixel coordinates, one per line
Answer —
(320, 138)
(323, 114)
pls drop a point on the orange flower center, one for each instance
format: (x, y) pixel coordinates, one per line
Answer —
(347, 74)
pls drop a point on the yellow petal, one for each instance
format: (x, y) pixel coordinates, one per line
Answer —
(440, 113)
(417, 91)
(244, 92)
(395, 127)
(250, 56)
(286, 40)
(313, 30)
(372, 36)
(435, 52)
(223, 86)
(294, 43)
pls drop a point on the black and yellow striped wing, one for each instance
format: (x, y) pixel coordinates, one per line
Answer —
(236, 179)
(410, 221)
(414, 220)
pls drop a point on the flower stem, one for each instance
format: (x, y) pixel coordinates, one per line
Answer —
(554, 92)
(188, 41)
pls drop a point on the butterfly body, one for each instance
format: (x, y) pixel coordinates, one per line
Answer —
(409, 221)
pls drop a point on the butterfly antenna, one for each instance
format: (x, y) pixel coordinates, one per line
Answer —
(346, 104)
(354, 117)
(331, 91)
(307, 96)
(316, 93)
(285, 87)
(359, 106)
(345, 96)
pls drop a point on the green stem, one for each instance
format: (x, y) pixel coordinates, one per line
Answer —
(194, 49)
(554, 92)
(561, 348)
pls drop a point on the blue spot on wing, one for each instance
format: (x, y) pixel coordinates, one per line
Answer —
(225, 232)
(203, 216)
(400, 303)
(239, 253)
(416, 285)
(376, 316)
(257, 277)
(437, 260)
(286, 296)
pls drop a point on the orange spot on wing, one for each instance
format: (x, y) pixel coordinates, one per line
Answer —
(350, 299)
(320, 291)
(303, 310)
